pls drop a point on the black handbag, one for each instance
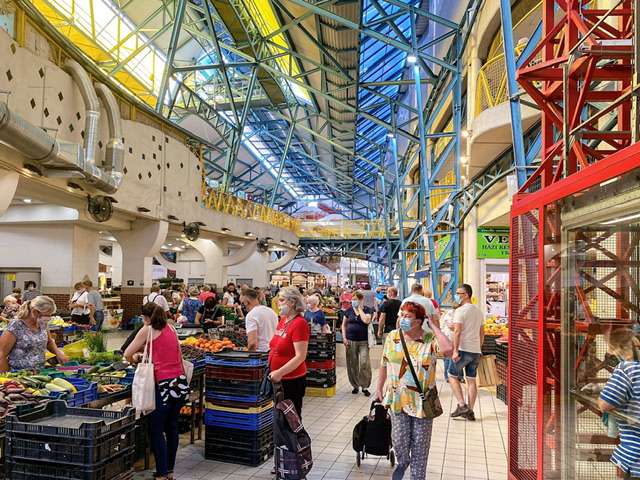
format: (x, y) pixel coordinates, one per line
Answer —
(430, 401)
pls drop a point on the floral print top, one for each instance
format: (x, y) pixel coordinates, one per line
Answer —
(30, 347)
(401, 394)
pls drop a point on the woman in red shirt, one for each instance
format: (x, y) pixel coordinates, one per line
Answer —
(288, 347)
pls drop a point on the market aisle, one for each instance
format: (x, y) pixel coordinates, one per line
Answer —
(460, 450)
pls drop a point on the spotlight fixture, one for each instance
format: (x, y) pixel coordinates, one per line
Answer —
(172, 217)
(32, 169)
(74, 186)
(27, 200)
(411, 58)
(225, 229)
(268, 238)
(248, 234)
(143, 209)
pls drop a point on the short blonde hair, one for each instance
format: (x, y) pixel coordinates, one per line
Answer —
(314, 299)
(292, 294)
(9, 299)
(41, 303)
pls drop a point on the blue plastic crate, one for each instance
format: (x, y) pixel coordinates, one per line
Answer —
(242, 421)
(236, 398)
(237, 359)
(87, 392)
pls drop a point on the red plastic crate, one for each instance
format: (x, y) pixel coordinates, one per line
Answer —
(321, 364)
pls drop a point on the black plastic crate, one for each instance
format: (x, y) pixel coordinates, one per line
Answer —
(240, 456)
(501, 393)
(316, 338)
(236, 438)
(81, 453)
(321, 378)
(232, 387)
(249, 374)
(55, 420)
(141, 438)
(502, 352)
(21, 469)
(489, 344)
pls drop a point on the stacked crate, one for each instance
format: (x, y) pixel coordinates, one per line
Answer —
(321, 365)
(61, 442)
(238, 419)
(502, 355)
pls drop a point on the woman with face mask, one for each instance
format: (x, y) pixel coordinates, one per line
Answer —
(411, 431)
(355, 336)
(26, 339)
(288, 347)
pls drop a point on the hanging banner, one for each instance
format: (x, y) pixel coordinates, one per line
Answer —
(441, 245)
(493, 242)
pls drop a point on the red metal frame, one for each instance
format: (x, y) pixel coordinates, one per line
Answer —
(579, 52)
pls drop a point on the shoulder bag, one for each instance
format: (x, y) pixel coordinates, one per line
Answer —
(187, 366)
(143, 388)
(431, 405)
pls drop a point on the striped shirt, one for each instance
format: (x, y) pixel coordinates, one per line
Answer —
(622, 391)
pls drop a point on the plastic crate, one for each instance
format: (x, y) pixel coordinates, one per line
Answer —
(241, 421)
(236, 388)
(502, 352)
(322, 338)
(240, 456)
(18, 469)
(235, 404)
(69, 453)
(268, 405)
(321, 382)
(489, 344)
(81, 424)
(319, 355)
(234, 438)
(320, 392)
(87, 392)
(237, 359)
(321, 364)
(250, 374)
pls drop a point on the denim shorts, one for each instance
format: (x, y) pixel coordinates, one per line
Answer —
(467, 363)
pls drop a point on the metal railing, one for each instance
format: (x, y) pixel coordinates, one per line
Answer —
(491, 86)
(230, 204)
(343, 229)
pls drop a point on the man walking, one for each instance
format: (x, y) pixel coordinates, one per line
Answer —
(389, 312)
(260, 321)
(417, 296)
(468, 333)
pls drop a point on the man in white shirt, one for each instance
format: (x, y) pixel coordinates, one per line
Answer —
(417, 296)
(260, 321)
(468, 334)
(156, 297)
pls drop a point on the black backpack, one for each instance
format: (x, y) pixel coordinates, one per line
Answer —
(372, 434)
(292, 443)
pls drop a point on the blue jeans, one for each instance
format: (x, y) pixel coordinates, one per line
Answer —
(98, 315)
(163, 434)
(468, 362)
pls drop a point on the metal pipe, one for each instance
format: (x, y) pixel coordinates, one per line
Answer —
(92, 108)
(114, 158)
(33, 142)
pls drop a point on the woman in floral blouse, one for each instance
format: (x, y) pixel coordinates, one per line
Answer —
(411, 432)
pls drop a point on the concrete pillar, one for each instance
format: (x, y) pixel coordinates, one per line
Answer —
(471, 265)
(8, 186)
(139, 245)
(213, 252)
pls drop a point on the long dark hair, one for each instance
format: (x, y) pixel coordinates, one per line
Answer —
(156, 315)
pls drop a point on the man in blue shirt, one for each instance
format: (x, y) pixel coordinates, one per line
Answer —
(622, 394)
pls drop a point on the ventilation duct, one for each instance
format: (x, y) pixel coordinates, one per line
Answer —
(58, 158)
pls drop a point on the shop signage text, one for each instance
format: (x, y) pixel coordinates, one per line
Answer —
(493, 243)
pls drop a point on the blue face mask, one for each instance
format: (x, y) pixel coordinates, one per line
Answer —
(355, 303)
(456, 298)
(405, 324)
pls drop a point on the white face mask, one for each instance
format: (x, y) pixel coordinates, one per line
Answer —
(284, 309)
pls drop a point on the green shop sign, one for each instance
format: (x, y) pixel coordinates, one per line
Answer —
(493, 243)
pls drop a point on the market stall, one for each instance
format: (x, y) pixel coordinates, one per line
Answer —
(304, 272)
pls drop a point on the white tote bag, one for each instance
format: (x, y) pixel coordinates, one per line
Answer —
(187, 366)
(371, 336)
(143, 389)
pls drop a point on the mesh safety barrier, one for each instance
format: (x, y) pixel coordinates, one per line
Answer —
(523, 346)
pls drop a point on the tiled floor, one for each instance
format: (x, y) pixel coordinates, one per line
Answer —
(459, 449)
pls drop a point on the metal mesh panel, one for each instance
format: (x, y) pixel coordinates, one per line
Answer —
(523, 347)
(602, 298)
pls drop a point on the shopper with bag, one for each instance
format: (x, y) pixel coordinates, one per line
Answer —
(288, 347)
(355, 335)
(157, 347)
(409, 363)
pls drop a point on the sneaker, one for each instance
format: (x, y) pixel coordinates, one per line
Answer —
(366, 392)
(470, 416)
(355, 391)
(460, 411)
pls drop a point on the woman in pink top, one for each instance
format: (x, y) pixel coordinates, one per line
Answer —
(172, 388)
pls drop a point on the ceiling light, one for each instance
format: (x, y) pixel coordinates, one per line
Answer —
(248, 234)
(170, 244)
(225, 229)
(622, 219)
(183, 236)
(411, 58)
(27, 200)
(390, 135)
